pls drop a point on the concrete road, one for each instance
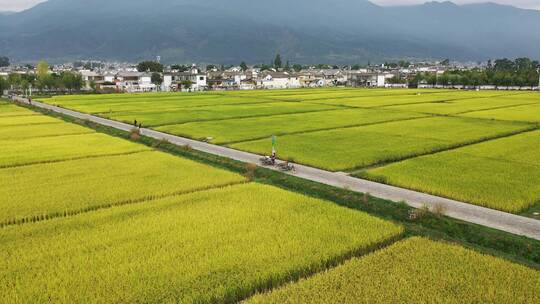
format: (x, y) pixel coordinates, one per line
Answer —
(474, 214)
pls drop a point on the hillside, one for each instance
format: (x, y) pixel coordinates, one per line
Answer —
(341, 31)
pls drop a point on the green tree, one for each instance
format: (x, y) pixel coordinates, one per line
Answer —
(404, 64)
(297, 67)
(150, 66)
(186, 84)
(157, 79)
(93, 86)
(265, 67)
(14, 80)
(4, 85)
(72, 81)
(183, 68)
(277, 62)
(42, 69)
(243, 66)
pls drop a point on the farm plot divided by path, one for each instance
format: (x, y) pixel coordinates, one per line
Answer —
(219, 245)
(529, 113)
(47, 171)
(217, 112)
(349, 148)
(237, 130)
(502, 174)
(146, 226)
(340, 129)
(415, 270)
(79, 225)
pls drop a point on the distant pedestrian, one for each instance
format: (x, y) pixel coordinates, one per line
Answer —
(135, 123)
(30, 100)
(140, 126)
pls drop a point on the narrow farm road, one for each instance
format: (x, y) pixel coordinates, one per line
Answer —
(474, 214)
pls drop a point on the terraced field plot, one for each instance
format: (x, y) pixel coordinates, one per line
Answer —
(502, 174)
(212, 246)
(152, 118)
(416, 270)
(529, 113)
(350, 148)
(235, 130)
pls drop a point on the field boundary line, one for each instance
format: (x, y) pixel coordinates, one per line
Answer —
(362, 96)
(311, 270)
(17, 115)
(241, 117)
(532, 128)
(324, 129)
(30, 124)
(37, 163)
(415, 103)
(199, 106)
(46, 136)
(68, 213)
(511, 223)
(497, 108)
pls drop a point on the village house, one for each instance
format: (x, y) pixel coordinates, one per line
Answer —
(356, 79)
(175, 81)
(277, 80)
(134, 82)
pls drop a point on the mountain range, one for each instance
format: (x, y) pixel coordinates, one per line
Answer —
(303, 31)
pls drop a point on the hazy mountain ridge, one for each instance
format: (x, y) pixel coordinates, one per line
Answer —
(339, 31)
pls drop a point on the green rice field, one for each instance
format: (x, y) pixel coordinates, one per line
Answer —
(352, 130)
(348, 148)
(508, 167)
(415, 270)
(86, 217)
(213, 246)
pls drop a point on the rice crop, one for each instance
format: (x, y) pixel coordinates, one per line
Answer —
(17, 152)
(40, 191)
(350, 148)
(528, 113)
(235, 130)
(502, 174)
(46, 130)
(217, 112)
(7, 110)
(461, 106)
(216, 246)
(416, 270)
(7, 121)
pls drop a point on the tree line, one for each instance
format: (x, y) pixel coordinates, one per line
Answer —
(522, 72)
(43, 80)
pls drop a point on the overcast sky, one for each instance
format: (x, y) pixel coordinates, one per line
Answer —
(17, 5)
(519, 3)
